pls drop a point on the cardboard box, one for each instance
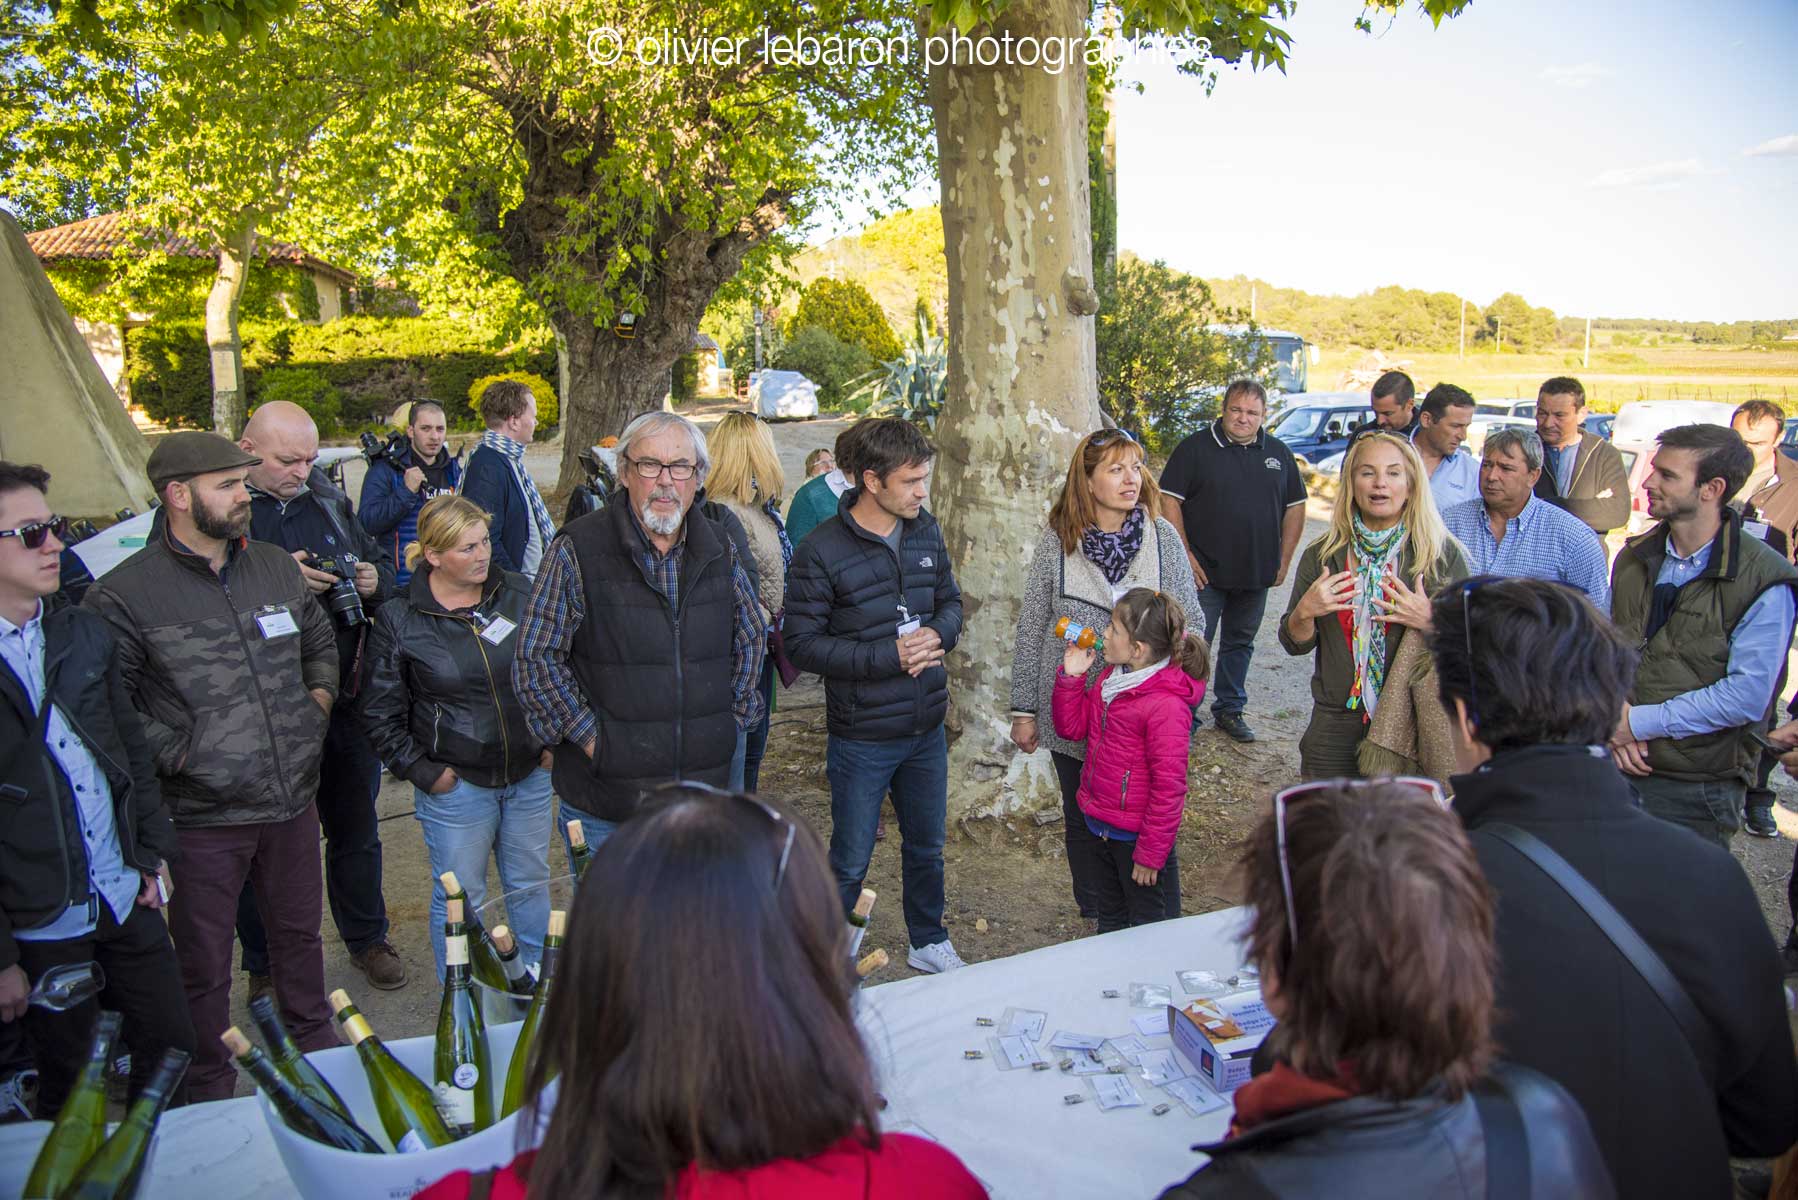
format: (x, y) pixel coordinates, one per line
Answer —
(1217, 1038)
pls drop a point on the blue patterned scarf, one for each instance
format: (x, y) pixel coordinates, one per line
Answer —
(1374, 556)
(514, 452)
(1113, 553)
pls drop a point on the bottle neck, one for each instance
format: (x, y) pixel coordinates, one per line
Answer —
(455, 956)
(355, 1026)
(552, 952)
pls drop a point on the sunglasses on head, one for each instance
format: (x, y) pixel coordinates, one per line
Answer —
(1286, 796)
(767, 810)
(32, 536)
(1110, 437)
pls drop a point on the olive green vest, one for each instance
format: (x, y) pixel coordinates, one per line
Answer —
(1691, 650)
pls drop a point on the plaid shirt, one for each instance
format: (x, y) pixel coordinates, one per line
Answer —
(555, 708)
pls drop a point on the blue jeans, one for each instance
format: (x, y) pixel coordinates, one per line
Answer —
(756, 744)
(916, 771)
(1232, 619)
(466, 825)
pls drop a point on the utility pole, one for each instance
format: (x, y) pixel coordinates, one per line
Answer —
(1251, 301)
(756, 320)
(1585, 361)
(1463, 326)
(1498, 343)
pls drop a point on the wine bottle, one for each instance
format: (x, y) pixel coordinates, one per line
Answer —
(582, 852)
(460, 1068)
(858, 920)
(117, 1168)
(285, 1056)
(518, 976)
(407, 1108)
(80, 1127)
(533, 1017)
(483, 960)
(303, 1114)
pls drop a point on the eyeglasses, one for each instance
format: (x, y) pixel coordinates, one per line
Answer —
(32, 536)
(649, 468)
(1299, 791)
(767, 810)
(1468, 587)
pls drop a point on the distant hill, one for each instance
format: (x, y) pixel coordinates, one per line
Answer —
(900, 259)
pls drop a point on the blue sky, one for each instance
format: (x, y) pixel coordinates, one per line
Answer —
(1590, 156)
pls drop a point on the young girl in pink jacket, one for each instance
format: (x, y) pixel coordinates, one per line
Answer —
(1136, 720)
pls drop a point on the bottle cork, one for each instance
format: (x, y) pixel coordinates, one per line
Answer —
(558, 921)
(501, 937)
(452, 911)
(235, 1042)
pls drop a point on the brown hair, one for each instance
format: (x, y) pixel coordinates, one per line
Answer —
(1157, 622)
(1392, 972)
(1075, 510)
(504, 399)
(739, 1050)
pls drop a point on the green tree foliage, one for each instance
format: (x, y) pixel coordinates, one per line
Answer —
(1162, 357)
(1512, 324)
(305, 387)
(835, 366)
(910, 387)
(899, 259)
(845, 310)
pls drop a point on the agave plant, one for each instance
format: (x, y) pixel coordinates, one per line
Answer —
(910, 387)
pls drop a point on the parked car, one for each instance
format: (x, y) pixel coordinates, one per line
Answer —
(1505, 408)
(1316, 425)
(1639, 423)
(1603, 423)
(782, 394)
(1480, 426)
(1790, 441)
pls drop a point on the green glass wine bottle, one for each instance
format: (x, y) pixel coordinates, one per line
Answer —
(518, 976)
(407, 1108)
(533, 1017)
(858, 920)
(483, 959)
(287, 1059)
(302, 1113)
(580, 852)
(461, 1071)
(117, 1168)
(80, 1127)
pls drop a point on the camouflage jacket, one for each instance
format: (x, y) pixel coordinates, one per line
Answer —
(221, 681)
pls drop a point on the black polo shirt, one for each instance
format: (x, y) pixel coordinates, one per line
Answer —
(1234, 501)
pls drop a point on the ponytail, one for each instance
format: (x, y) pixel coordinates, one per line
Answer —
(414, 552)
(1153, 619)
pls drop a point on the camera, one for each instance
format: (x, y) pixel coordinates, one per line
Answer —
(396, 452)
(342, 600)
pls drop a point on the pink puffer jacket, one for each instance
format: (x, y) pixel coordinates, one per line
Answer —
(1136, 753)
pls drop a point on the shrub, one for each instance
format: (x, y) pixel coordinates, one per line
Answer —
(845, 310)
(302, 386)
(548, 412)
(827, 362)
(686, 378)
(170, 373)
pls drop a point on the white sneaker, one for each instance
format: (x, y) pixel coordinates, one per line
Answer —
(935, 959)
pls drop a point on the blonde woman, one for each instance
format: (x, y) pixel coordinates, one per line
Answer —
(746, 479)
(438, 702)
(1359, 588)
(1106, 536)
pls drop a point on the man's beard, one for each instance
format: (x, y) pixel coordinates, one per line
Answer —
(232, 523)
(661, 526)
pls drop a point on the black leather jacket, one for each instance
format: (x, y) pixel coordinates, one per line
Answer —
(436, 693)
(1425, 1148)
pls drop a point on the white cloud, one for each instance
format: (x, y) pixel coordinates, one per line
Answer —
(1577, 75)
(1779, 147)
(1656, 176)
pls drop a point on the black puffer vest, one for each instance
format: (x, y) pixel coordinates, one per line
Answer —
(658, 679)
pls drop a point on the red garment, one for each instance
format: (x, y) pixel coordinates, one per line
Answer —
(904, 1168)
(1136, 754)
(1283, 1091)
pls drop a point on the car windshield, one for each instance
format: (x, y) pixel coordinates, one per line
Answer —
(1300, 422)
(1492, 410)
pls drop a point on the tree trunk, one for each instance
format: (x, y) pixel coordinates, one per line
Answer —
(229, 396)
(1012, 142)
(610, 380)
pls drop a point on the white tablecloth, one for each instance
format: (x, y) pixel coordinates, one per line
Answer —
(1010, 1127)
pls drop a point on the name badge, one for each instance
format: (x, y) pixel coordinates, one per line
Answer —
(1755, 529)
(497, 630)
(276, 622)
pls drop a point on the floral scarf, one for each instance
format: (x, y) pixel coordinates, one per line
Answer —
(1113, 553)
(1372, 556)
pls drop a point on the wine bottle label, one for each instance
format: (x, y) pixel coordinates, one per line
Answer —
(356, 1028)
(411, 1143)
(467, 1075)
(456, 1103)
(455, 951)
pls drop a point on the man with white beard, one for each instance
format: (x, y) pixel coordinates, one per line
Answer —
(641, 649)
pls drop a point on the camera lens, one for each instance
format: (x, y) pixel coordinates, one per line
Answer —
(344, 603)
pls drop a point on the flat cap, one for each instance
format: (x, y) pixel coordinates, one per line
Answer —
(180, 456)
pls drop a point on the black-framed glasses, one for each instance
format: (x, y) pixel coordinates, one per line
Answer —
(1298, 791)
(767, 810)
(33, 535)
(649, 468)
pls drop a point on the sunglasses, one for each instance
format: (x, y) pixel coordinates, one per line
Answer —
(32, 536)
(1109, 437)
(1286, 796)
(786, 849)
